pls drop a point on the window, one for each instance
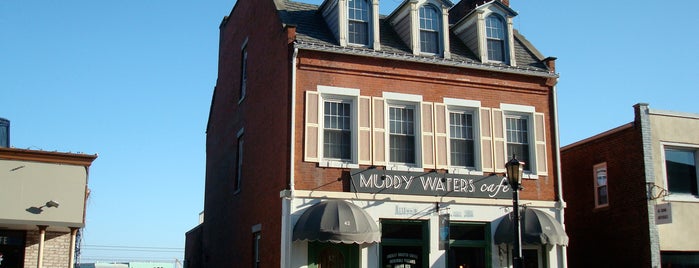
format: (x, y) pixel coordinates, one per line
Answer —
(461, 139)
(404, 244)
(256, 249)
(429, 29)
(243, 72)
(495, 36)
(402, 134)
(681, 171)
(601, 191)
(518, 138)
(337, 129)
(358, 25)
(468, 245)
(239, 163)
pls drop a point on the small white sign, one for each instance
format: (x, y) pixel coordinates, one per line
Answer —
(663, 213)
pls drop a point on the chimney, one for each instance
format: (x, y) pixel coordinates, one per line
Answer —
(458, 11)
(4, 133)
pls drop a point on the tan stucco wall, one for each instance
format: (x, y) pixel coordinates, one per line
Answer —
(675, 129)
(29, 185)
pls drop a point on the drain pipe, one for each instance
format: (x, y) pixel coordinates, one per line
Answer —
(560, 204)
(287, 195)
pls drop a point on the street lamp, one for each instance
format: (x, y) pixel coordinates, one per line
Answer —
(514, 177)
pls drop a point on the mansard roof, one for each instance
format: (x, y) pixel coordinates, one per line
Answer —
(312, 33)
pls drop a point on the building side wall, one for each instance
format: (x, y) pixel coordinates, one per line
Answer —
(432, 83)
(262, 119)
(27, 186)
(616, 235)
(678, 130)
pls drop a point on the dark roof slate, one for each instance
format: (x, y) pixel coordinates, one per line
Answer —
(313, 33)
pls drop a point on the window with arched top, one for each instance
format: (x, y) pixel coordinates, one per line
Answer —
(496, 38)
(430, 23)
(358, 24)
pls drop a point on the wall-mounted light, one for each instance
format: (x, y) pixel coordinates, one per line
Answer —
(52, 204)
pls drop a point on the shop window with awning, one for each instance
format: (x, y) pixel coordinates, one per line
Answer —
(337, 221)
(538, 228)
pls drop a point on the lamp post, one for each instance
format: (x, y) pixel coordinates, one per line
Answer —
(514, 177)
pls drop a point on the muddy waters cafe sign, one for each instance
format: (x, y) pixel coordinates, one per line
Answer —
(429, 183)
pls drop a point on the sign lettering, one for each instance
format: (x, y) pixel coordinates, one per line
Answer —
(429, 183)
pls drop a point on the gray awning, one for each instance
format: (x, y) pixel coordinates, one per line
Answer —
(538, 227)
(336, 221)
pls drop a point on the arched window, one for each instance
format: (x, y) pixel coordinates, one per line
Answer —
(495, 31)
(358, 25)
(429, 29)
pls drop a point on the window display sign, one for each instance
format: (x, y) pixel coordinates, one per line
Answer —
(444, 231)
(12, 245)
(429, 183)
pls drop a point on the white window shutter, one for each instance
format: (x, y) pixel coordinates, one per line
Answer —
(540, 144)
(311, 144)
(486, 140)
(364, 133)
(440, 136)
(378, 131)
(427, 125)
(499, 143)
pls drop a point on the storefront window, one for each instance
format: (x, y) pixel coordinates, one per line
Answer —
(332, 255)
(12, 248)
(404, 244)
(468, 244)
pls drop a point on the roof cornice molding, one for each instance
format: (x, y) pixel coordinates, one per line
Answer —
(47, 157)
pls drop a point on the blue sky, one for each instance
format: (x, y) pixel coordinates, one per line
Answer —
(132, 81)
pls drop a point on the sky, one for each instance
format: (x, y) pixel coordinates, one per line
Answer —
(132, 80)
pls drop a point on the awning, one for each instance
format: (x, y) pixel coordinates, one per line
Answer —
(538, 227)
(337, 221)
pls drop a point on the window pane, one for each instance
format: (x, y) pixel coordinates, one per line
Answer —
(518, 139)
(681, 171)
(429, 29)
(337, 133)
(495, 32)
(402, 134)
(461, 139)
(358, 26)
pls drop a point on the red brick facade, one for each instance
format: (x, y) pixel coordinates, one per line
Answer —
(271, 117)
(616, 235)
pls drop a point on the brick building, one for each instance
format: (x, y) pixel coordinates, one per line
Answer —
(338, 136)
(43, 196)
(614, 184)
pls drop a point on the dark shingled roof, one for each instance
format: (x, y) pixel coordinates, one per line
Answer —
(312, 33)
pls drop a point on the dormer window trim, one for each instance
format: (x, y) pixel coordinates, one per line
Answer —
(508, 42)
(442, 28)
(337, 15)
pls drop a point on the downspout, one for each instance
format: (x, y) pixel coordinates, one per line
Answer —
(560, 203)
(287, 195)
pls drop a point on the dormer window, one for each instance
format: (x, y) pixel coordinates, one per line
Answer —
(429, 29)
(496, 38)
(358, 22)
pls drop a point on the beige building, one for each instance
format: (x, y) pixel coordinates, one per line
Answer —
(42, 206)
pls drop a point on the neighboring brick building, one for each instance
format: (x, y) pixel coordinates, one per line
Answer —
(613, 183)
(392, 122)
(43, 196)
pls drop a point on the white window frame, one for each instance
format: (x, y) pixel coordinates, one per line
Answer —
(596, 169)
(439, 27)
(505, 40)
(527, 112)
(401, 99)
(369, 22)
(472, 107)
(350, 95)
(680, 146)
